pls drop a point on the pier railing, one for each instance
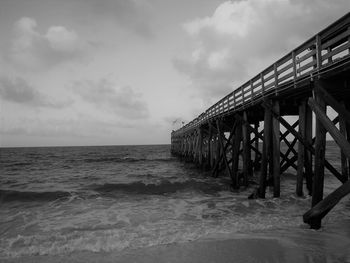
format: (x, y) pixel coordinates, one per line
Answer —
(326, 49)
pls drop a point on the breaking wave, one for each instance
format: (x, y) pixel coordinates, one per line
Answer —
(164, 187)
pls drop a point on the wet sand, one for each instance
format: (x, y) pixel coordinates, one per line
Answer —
(302, 245)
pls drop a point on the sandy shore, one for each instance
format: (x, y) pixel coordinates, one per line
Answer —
(301, 246)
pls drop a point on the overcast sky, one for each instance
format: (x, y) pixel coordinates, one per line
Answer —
(108, 72)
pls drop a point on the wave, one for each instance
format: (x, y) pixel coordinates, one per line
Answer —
(164, 187)
(126, 159)
(20, 164)
(27, 196)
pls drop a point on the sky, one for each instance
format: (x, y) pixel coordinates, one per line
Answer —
(116, 72)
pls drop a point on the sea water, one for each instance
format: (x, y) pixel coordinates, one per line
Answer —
(57, 200)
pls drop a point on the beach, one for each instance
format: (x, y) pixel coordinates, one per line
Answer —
(303, 246)
(140, 204)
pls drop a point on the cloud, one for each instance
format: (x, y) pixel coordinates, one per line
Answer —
(131, 14)
(122, 101)
(32, 50)
(18, 90)
(242, 38)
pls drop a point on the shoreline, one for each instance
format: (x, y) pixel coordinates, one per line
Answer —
(301, 245)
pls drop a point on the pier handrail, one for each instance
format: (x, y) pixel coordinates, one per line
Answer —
(328, 47)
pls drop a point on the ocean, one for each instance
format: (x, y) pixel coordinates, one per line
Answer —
(64, 200)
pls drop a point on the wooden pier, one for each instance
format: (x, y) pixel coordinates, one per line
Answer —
(245, 128)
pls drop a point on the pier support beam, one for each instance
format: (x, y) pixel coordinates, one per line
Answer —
(235, 154)
(321, 207)
(308, 153)
(301, 149)
(246, 149)
(266, 153)
(200, 147)
(343, 130)
(256, 155)
(276, 150)
(320, 148)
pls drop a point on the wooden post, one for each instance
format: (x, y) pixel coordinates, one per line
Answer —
(301, 149)
(217, 152)
(265, 152)
(256, 159)
(212, 148)
(246, 149)
(308, 153)
(276, 151)
(344, 161)
(320, 148)
(330, 127)
(223, 148)
(210, 136)
(317, 212)
(200, 147)
(235, 155)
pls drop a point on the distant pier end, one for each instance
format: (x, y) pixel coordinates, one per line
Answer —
(250, 122)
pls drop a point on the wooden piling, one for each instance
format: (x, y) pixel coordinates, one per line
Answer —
(200, 147)
(320, 147)
(301, 149)
(308, 153)
(343, 131)
(276, 151)
(246, 149)
(235, 155)
(265, 152)
(256, 142)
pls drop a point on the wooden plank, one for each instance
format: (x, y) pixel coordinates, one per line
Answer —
(246, 149)
(285, 68)
(275, 77)
(200, 147)
(301, 150)
(306, 66)
(320, 149)
(285, 77)
(306, 56)
(265, 152)
(223, 148)
(276, 151)
(262, 83)
(336, 39)
(328, 125)
(223, 153)
(235, 155)
(344, 160)
(306, 143)
(338, 107)
(294, 65)
(308, 153)
(290, 149)
(318, 52)
(317, 212)
(336, 51)
(256, 141)
(289, 163)
(287, 132)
